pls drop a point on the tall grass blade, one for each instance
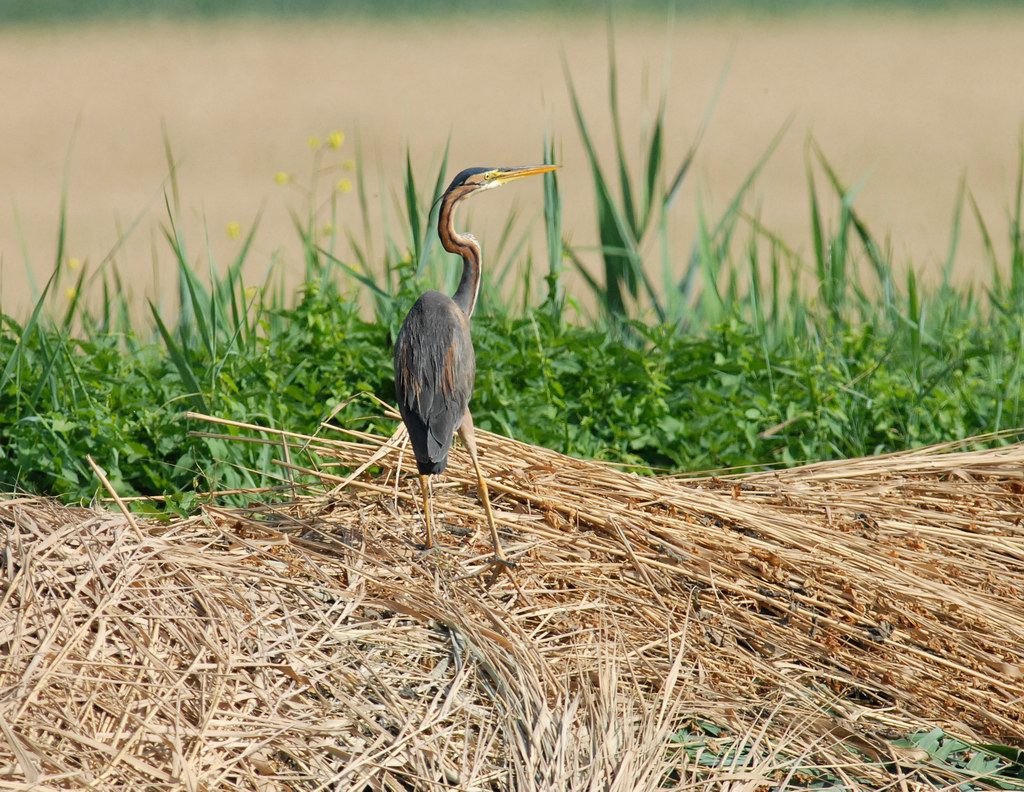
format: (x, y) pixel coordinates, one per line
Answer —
(1017, 237)
(15, 360)
(412, 208)
(915, 320)
(755, 297)
(589, 279)
(673, 298)
(47, 376)
(996, 289)
(435, 208)
(76, 296)
(62, 225)
(198, 300)
(628, 207)
(954, 235)
(712, 305)
(172, 168)
(364, 204)
(850, 218)
(817, 234)
(243, 251)
(676, 183)
(655, 154)
(621, 266)
(553, 228)
(188, 377)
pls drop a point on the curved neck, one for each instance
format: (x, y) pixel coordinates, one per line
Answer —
(465, 246)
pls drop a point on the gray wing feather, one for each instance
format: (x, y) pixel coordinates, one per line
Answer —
(434, 371)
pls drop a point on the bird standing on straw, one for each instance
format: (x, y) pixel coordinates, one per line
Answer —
(434, 360)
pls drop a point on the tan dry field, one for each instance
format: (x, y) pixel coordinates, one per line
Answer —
(909, 102)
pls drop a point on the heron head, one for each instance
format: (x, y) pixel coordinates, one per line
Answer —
(474, 180)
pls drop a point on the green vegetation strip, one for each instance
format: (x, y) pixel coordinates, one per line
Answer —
(735, 353)
(727, 395)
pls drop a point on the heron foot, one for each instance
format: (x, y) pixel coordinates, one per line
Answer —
(502, 563)
(493, 567)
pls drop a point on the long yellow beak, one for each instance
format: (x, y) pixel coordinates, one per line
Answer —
(504, 175)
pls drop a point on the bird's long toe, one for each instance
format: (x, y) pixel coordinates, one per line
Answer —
(500, 562)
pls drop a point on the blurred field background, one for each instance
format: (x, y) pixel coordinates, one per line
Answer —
(906, 98)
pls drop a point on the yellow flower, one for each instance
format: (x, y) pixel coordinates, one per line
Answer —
(335, 139)
(74, 263)
(328, 229)
(345, 185)
(349, 165)
(282, 177)
(313, 142)
(71, 292)
(250, 292)
(234, 229)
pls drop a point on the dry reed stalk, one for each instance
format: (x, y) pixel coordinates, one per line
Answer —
(812, 614)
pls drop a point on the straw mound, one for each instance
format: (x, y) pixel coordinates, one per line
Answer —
(811, 615)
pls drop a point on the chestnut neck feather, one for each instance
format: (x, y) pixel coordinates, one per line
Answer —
(465, 246)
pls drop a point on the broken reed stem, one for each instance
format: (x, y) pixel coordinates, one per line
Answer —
(116, 498)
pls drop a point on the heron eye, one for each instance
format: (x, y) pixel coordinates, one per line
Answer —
(489, 175)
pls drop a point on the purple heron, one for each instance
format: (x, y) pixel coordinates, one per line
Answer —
(434, 360)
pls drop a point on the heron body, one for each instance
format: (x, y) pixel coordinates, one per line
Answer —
(434, 371)
(435, 365)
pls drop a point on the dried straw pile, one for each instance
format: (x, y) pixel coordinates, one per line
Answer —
(812, 614)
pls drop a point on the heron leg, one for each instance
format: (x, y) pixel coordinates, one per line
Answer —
(425, 493)
(468, 438)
